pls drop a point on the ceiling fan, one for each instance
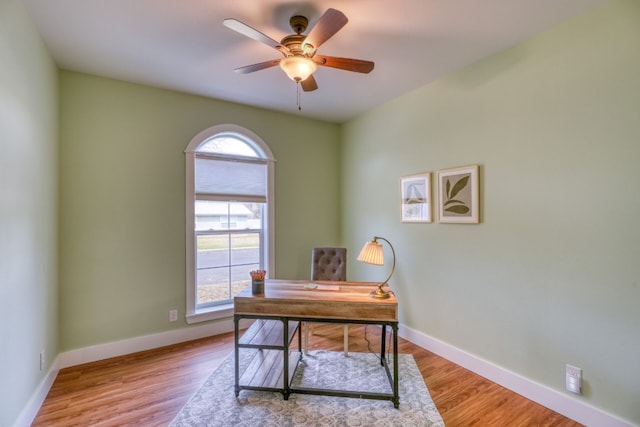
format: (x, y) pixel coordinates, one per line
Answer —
(300, 59)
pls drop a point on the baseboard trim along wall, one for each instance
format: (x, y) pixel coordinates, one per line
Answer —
(147, 342)
(29, 412)
(114, 349)
(552, 399)
(566, 405)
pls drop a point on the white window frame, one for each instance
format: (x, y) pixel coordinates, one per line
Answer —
(193, 315)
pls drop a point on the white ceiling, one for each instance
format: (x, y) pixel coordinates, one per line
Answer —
(182, 44)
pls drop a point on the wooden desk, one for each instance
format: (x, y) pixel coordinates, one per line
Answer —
(280, 310)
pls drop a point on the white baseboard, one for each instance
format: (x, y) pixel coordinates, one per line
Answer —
(29, 412)
(147, 342)
(566, 405)
(114, 349)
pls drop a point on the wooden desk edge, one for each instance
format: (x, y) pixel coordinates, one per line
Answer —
(288, 298)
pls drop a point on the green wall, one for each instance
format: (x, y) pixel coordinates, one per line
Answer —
(28, 209)
(551, 275)
(122, 200)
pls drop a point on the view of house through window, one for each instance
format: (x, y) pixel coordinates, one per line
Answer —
(228, 210)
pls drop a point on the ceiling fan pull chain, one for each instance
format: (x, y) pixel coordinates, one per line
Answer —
(298, 96)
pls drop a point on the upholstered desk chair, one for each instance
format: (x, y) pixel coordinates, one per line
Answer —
(328, 264)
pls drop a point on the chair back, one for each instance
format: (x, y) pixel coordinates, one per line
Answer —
(329, 264)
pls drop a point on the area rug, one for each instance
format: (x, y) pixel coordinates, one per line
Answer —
(215, 404)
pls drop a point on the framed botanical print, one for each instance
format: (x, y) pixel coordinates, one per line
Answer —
(415, 197)
(458, 195)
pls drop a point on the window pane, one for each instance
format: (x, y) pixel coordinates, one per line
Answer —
(212, 268)
(213, 294)
(214, 216)
(227, 144)
(224, 177)
(213, 251)
(241, 278)
(245, 250)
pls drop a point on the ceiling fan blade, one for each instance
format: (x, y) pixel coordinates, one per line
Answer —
(328, 24)
(348, 64)
(257, 67)
(252, 33)
(309, 84)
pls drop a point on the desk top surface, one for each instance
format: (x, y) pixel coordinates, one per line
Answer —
(317, 299)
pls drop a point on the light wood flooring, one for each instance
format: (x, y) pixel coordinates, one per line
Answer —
(150, 387)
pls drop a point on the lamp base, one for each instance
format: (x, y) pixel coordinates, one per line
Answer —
(379, 293)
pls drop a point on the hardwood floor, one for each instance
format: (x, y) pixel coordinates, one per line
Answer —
(149, 388)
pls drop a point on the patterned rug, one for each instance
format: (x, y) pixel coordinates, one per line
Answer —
(215, 403)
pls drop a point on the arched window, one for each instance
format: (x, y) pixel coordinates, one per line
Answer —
(229, 216)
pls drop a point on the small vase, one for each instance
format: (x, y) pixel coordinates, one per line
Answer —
(257, 286)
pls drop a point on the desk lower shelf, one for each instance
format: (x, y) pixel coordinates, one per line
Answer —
(267, 340)
(266, 370)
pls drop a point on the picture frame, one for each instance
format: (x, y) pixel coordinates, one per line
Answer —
(458, 195)
(415, 198)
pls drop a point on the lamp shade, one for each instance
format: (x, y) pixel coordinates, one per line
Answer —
(298, 68)
(372, 253)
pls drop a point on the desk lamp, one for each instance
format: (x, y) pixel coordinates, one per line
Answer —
(372, 253)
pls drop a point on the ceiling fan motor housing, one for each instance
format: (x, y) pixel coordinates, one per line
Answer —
(294, 43)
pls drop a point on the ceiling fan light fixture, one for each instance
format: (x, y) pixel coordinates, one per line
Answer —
(298, 68)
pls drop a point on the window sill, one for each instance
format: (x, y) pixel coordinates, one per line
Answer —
(210, 313)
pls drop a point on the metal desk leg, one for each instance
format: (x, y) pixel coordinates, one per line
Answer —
(384, 341)
(285, 329)
(237, 354)
(396, 397)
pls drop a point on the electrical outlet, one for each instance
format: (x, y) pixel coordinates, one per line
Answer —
(573, 379)
(43, 360)
(173, 315)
